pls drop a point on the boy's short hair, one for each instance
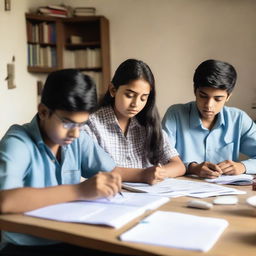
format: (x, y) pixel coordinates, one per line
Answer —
(69, 90)
(215, 74)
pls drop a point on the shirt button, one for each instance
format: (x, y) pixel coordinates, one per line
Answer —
(128, 158)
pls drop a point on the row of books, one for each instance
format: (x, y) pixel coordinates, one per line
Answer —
(87, 58)
(41, 56)
(43, 32)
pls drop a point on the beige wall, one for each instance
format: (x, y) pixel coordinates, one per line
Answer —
(172, 36)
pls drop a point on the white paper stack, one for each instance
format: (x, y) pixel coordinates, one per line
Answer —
(176, 187)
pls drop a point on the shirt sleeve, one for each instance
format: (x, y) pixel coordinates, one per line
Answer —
(14, 162)
(169, 125)
(94, 158)
(168, 151)
(248, 143)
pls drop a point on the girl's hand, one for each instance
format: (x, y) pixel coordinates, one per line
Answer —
(103, 184)
(154, 174)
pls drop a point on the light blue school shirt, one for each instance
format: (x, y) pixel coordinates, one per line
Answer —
(233, 133)
(26, 161)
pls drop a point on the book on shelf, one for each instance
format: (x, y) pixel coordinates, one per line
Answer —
(84, 11)
(43, 33)
(55, 10)
(74, 39)
(41, 56)
(83, 58)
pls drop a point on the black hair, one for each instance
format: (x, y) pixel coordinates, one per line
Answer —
(215, 74)
(131, 70)
(69, 90)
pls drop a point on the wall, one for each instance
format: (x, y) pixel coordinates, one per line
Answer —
(172, 36)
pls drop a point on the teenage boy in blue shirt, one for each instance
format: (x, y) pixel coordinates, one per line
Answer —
(208, 135)
(41, 162)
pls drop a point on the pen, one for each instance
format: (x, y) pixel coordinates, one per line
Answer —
(159, 165)
(121, 194)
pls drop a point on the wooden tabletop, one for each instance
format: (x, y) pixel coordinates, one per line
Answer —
(239, 238)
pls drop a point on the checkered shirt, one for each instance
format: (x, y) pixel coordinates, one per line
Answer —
(127, 151)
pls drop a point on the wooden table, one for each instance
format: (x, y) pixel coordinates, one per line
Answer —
(239, 238)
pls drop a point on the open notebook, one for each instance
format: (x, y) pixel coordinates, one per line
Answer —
(178, 230)
(114, 212)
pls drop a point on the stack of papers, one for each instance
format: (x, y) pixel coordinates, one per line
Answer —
(176, 187)
(114, 212)
(177, 230)
(242, 179)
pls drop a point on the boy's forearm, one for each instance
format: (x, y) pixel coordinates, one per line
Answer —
(25, 199)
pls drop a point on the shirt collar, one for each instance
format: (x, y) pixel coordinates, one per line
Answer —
(195, 119)
(34, 131)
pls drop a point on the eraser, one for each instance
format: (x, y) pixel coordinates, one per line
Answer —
(199, 204)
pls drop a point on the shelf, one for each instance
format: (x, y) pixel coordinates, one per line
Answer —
(92, 50)
(41, 69)
(83, 45)
(42, 44)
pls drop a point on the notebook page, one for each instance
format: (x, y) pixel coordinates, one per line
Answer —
(178, 230)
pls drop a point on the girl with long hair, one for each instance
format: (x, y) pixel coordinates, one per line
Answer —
(127, 126)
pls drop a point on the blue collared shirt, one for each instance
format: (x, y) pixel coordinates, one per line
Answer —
(233, 133)
(26, 161)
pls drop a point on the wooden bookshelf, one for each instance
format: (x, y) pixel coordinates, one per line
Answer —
(52, 46)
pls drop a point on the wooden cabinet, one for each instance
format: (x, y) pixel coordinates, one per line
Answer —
(78, 42)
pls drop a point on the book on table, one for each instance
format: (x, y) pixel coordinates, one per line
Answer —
(178, 230)
(114, 212)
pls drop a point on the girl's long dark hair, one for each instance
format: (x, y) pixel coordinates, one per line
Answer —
(148, 117)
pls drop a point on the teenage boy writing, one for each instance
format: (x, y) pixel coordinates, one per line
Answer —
(208, 135)
(41, 162)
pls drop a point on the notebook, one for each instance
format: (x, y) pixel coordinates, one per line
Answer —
(178, 230)
(241, 179)
(114, 212)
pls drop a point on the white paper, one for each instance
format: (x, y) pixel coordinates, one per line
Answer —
(241, 179)
(176, 187)
(114, 212)
(178, 230)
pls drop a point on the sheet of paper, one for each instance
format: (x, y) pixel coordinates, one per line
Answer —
(142, 200)
(114, 212)
(176, 187)
(242, 179)
(178, 230)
